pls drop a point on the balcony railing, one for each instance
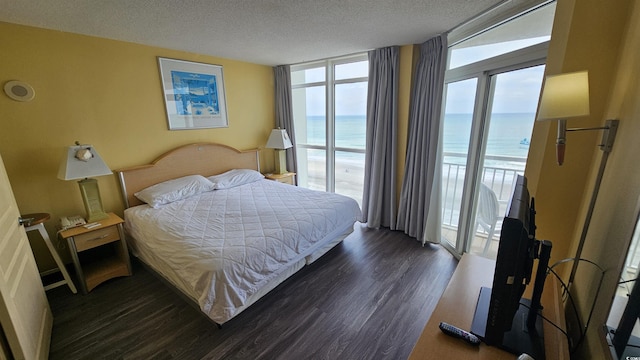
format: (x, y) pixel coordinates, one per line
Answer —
(630, 271)
(499, 174)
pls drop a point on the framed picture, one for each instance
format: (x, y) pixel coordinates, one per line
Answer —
(193, 94)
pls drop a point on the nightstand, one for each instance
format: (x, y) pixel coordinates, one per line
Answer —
(286, 178)
(99, 253)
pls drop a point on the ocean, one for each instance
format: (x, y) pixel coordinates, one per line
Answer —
(509, 134)
(350, 131)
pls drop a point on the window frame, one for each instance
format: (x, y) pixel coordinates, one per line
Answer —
(483, 70)
(330, 83)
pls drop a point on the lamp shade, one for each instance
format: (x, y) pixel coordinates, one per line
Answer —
(81, 162)
(279, 139)
(564, 96)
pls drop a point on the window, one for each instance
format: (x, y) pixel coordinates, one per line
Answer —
(523, 31)
(492, 86)
(330, 113)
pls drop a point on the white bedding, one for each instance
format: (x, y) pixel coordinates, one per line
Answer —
(221, 247)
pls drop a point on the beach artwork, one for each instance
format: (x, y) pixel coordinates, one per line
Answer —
(194, 94)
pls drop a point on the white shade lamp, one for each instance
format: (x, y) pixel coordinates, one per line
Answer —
(279, 140)
(565, 96)
(83, 162)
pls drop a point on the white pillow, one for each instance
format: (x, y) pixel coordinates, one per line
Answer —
(235, 177)
(174, 190)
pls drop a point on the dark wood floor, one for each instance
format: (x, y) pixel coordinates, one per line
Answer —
(368, 298)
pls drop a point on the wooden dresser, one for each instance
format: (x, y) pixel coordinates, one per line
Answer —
(457, 306)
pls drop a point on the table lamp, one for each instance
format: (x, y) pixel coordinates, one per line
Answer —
(82, 162)
(279, 140)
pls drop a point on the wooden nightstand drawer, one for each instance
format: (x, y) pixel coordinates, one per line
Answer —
(286, 178)
(96, 238)
(99, 253)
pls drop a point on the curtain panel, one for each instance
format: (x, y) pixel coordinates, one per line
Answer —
(284, 110)
(420, 200)
(379, 191)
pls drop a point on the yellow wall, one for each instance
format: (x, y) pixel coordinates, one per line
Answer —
(603, 38)
(407, 62)
(108, 94)
(586, 36)
(618, 205)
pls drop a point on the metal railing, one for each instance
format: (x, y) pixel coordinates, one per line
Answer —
(499, 174)
(631, 265)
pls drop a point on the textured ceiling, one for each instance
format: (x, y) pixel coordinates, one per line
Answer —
(270, 32)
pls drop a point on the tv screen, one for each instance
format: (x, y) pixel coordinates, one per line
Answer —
(514, 264)
(502, 316)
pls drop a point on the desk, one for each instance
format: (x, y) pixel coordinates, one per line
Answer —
(457, 306)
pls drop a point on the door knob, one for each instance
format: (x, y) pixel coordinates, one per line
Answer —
(25, 222)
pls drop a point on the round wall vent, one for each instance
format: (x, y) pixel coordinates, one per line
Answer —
(19, 91)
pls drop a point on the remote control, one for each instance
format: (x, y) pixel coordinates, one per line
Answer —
(459, 333)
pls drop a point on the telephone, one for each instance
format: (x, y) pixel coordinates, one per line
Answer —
(67, 222)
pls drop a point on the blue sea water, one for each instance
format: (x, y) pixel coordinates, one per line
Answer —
(350, 131)
(508, 133)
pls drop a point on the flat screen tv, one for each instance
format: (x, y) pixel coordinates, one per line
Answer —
(503, 318)
(625, 345)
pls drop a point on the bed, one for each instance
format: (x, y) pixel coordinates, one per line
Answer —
(227, 246)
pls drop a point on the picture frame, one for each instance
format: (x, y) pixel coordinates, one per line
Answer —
(194, 94)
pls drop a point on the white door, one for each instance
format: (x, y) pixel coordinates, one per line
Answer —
(24, 310)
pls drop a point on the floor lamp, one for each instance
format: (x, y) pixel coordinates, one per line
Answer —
(565, 96)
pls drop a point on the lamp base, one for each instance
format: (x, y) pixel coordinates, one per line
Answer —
(92, 201)
(281, 162)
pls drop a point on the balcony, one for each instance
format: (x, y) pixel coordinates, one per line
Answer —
(499, 174)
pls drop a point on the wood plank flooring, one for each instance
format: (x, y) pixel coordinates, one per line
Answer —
(368, 298)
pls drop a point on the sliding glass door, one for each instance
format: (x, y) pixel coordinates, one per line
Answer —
(492, 86)
(458, 118)
(486, 131)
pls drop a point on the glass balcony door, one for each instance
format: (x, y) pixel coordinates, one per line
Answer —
(487, 128)
(493, 81)
(457, 124)
(509, 123)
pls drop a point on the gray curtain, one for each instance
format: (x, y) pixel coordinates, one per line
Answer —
(379, 193)
(284, 110)
(419, 212)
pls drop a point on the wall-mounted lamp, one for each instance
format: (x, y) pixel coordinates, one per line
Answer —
(82, 162)
(565, 96)
(279, 140)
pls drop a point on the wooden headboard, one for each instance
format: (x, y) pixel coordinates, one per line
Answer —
(205, 159)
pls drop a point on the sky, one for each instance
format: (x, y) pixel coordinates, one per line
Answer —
(515, 92)
(350, 98)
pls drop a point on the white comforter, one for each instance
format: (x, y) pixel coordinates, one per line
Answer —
(221, 247)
